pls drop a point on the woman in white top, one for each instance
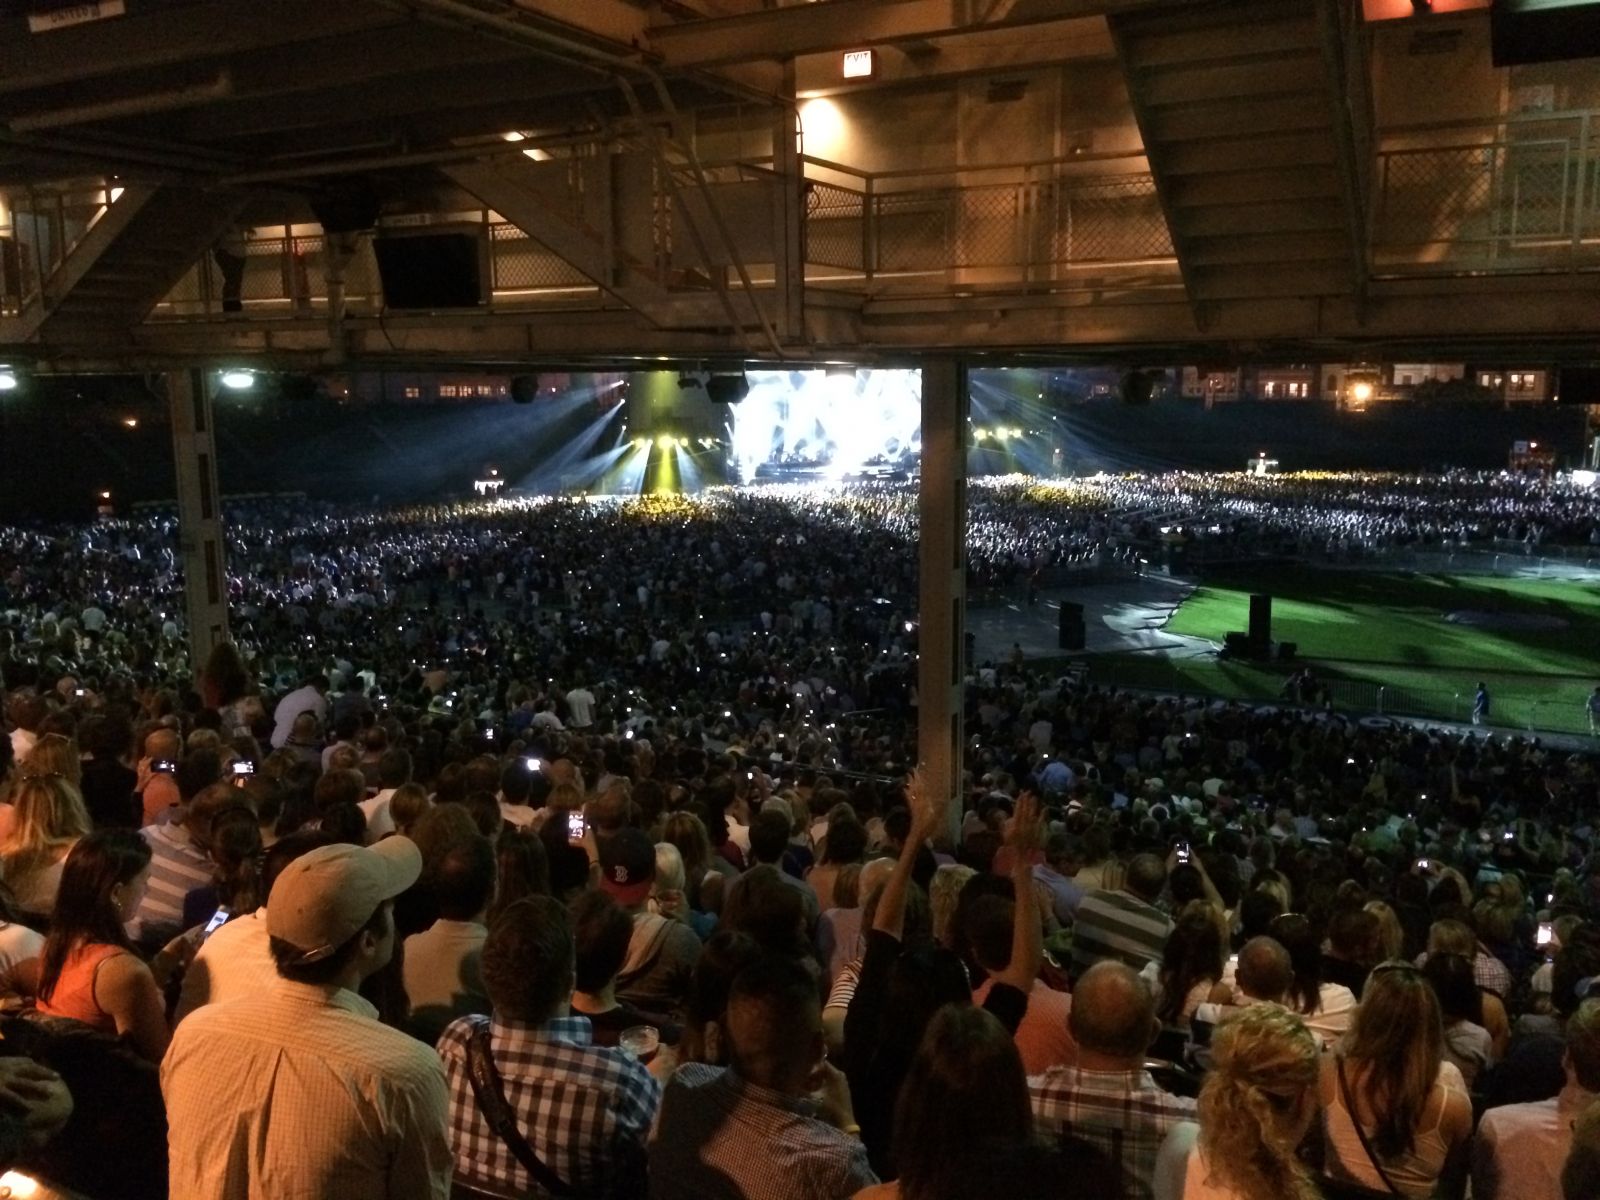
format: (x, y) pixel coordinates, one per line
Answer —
(1326, 1008)
(47, 819)
(1255, 1108)
(1411, 1105)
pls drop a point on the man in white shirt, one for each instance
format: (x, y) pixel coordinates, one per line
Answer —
(298, 1090)
(1520, 1148)
(394, 772)
(311, 697)
(236, 960)
(580, 707)
(441, 970)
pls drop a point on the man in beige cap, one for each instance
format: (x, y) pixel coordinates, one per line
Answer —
(299, 1091)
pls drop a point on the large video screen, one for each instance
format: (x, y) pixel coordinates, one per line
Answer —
(828, 425)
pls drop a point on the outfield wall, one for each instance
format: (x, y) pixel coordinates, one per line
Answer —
(1309, 435)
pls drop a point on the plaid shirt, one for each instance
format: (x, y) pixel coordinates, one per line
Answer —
(585, 1110)
(1488, 972)
(1122, 1113)
(723, 1138)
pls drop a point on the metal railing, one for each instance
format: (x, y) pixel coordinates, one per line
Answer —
(1006, 223)
(44, 229)
(1512, 194)
(286, 274)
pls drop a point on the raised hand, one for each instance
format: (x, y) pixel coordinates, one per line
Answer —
(1026, 835)
(927, 809)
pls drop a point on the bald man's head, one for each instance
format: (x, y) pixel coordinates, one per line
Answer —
(1265, 970)
(1113, 1013)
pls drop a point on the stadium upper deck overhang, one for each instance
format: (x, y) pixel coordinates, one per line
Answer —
(700, 180)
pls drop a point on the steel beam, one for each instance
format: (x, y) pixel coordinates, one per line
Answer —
(778, 33)
(202, 546)
(168, 36)
(942, 547)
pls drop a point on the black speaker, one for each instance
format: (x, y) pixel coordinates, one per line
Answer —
(727, 389)
(1287, 650)
(1136, 387)
(1260, 619)
(1236, 644)
(524, 388)
(431, 269)
(1579, 385)
(347, 208)
(1072, 634)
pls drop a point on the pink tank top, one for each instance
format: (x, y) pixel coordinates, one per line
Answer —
(74, 992)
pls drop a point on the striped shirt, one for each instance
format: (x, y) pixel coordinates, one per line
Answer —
(1122, 1113)
(584, 1109)
(177, 866)
(723, 1138)
(1120, 926)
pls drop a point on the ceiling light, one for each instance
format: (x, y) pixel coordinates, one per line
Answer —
(238, 380)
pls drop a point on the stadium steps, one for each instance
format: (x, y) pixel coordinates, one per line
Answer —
(128, 260)
(1237, 106)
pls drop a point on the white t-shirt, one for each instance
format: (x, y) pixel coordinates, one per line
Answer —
(580, 707)
(519, 815)
(18, 943)
(234, 961)
(376, 810)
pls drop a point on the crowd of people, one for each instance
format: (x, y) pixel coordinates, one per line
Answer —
(560, 848)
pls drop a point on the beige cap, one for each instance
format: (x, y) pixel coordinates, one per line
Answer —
(324, 897)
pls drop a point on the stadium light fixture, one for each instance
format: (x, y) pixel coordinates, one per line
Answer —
(8, 380)
(238, 380)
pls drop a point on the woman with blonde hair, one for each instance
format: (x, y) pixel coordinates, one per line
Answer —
(944, 889)
(54, 754)
(47, 819)
(1391, 935)
(1396, 1115)
(1257, 1103)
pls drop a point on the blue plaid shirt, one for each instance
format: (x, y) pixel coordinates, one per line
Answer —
(586, 1110)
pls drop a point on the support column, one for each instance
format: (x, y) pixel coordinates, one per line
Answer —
(788, 215)
(942, 513)
(201, 547)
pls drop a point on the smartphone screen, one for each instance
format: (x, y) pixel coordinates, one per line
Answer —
(164, 765)
(533, 764)
(1545, 935)
(1181, 851)
(575, 825)
(244, 767)
(218, 919)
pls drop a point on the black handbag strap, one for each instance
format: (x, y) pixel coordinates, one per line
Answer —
(1355, 1123)
(490, 1094)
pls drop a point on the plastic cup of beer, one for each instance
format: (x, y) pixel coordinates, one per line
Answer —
(640, 1042)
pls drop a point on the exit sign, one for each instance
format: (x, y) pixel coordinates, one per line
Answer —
(46, 17)
(859, 64)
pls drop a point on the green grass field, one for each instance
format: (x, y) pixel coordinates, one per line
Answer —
(1389, 628)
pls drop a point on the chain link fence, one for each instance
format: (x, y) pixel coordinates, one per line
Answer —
(1519, 193)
